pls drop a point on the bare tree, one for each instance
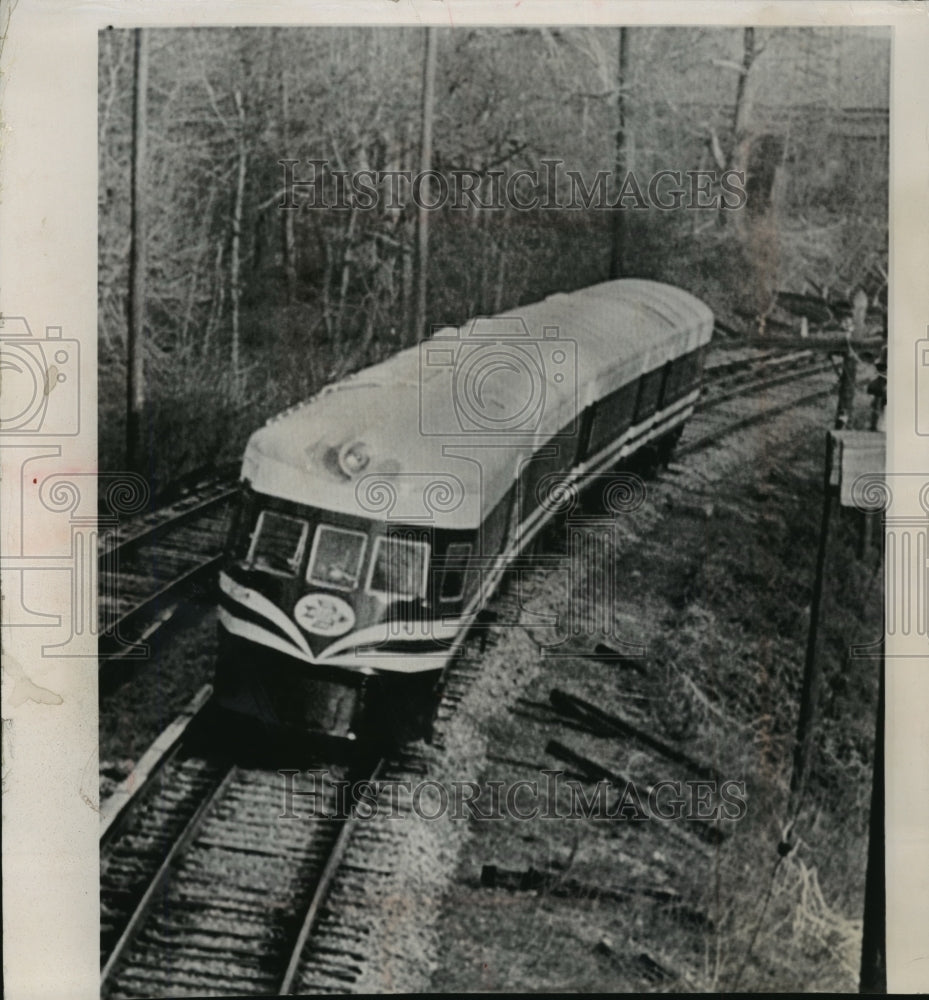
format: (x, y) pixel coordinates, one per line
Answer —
(425, 165)
(135, 365)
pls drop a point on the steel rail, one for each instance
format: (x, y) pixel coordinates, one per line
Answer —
(155, 885)
(126, 796)
(320, 893)
(175, 513)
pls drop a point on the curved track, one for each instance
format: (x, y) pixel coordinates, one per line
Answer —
(730, 379)
(205, 886)
(154, 561)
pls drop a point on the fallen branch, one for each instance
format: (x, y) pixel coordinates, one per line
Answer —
(596, 772)
(611, 724)
(555, 884)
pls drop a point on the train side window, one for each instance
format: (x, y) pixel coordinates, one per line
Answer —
(457, 556)
(667, 385)
(611, 418)
(649, 393)
(684, 376)
(277, 543)
(695, 368)
(336, 557)
(399, 567)
(675, 381)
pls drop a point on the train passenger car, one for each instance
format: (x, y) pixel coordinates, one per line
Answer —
(377, 518)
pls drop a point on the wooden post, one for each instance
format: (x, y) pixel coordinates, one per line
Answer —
(425, 164)
(618, 247)
(135, 345)
(846, 405)
(812, 673)
(873, 974)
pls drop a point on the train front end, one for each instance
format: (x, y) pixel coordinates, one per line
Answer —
(337, 615)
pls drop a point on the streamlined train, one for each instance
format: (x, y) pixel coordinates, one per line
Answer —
(377, 518)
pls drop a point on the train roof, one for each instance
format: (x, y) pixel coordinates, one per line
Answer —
(436, 433)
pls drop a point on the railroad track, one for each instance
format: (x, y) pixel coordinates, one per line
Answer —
(206, 888)
(748, 379)
(730, 379)
(148, 567)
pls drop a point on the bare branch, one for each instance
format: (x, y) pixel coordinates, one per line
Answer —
(213, 102)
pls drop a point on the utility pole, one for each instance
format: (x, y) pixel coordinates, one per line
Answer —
(847, 382)
(812, 670)
(135, 352)
(849, 454)
(873, 974)
(425, 165)
(618, 248)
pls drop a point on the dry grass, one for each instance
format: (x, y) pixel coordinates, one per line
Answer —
(721, 602)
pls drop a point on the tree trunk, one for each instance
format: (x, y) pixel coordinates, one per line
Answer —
(235, 255)
(501, 267)
(347, 255)
(425, 164)
(741, 139)
(406, 252)
(743, 104)
(620, 227)
(288, 245)
(217, 300)
(196, 272)
(135, 347)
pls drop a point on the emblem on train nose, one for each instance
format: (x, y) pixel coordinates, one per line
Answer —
(323, 614)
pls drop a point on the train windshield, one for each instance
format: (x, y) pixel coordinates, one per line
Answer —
(277, 543)
(336, 558)
(399, 567)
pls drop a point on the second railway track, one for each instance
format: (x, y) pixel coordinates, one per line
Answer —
(148, 567)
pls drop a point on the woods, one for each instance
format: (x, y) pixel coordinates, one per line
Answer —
(249, 306)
